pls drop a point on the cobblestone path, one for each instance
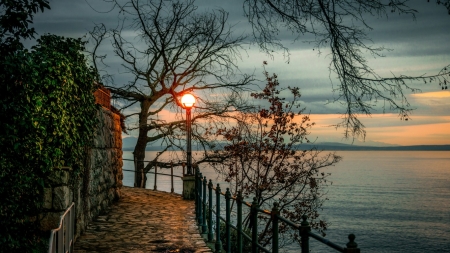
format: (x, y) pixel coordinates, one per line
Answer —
(144, 221)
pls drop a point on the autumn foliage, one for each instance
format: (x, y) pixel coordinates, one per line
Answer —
(266, 159)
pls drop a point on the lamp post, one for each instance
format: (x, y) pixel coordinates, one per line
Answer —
(188, 101)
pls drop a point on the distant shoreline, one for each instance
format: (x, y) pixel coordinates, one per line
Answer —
(346, 147)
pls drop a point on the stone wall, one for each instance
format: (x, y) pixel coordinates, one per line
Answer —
(101, 184)
(94, 190)
(58, 195)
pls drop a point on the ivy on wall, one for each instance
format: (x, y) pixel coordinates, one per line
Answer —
(47, 115)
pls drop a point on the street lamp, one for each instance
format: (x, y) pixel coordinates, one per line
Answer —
(188, 101)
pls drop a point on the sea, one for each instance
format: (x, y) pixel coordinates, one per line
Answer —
(393, 201)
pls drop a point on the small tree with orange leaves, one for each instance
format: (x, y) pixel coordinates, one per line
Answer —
(266, 161)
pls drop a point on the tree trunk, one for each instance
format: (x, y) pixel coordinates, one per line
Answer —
(139, 157)
(140, 178)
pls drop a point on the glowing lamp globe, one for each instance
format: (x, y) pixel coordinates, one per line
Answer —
(188, 100)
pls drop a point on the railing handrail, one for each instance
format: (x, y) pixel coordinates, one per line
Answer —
(171, 175)
(179, 163)
(304, 228)
(62, 237)
(158, 173)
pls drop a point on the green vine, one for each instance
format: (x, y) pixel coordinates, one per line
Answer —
(47, 112)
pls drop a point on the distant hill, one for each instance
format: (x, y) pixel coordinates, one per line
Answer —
(128, 144)
(343, 147)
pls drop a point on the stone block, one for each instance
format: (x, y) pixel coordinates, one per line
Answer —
(111, 194)
(79, 229)
(93, 201)
(58, 177)
(96, 157)
(109, 178)
(105, 204)
(101, 179)
(96, 143)
(99, 139)
(95, 212)
(81, 221)
(70, 195)
(107, 137)
(61, 197)
(49, 220)
(88, 208)
(92, 177)
(108, 158)
(112, 140)
(48, 198)
(78, 198)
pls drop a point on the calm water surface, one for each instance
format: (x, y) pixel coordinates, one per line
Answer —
(393, 201)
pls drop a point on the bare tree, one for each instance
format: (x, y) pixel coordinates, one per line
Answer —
(342, 26)
(176, 51)
(267, 161)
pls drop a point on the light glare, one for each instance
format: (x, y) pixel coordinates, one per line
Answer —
(188, 100)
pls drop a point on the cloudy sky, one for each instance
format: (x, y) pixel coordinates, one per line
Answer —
(419, 47)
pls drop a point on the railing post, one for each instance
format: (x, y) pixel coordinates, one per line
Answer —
(199, 199)
(352, 246)
(239, 200)
(196, 193)
(228, 220)
(254, 218)
(72, 228)
(218, 243)
(196, 171)
(304, 234)
(171, 177)
(60, 241)
(275, 213)
(62, 238)
(210, 229)
(204, 207)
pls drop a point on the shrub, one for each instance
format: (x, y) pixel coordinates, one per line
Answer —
(48, 115)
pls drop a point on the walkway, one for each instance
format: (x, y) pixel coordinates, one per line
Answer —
(144, 221)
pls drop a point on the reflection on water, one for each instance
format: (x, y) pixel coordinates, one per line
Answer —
(393, 201)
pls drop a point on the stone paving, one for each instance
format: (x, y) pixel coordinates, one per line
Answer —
(144, 221)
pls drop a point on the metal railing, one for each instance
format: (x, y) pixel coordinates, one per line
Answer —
(155, 186)
(204, 215)
(62, 238)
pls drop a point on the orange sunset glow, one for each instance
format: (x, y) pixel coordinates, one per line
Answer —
(388, 128)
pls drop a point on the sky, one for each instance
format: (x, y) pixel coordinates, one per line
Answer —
(419, 47)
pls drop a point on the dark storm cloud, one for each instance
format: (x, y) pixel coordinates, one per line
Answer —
(427, 36)
(424, 36)
(79, 16)
(316, 96)
(74, 18)
(414, 42)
